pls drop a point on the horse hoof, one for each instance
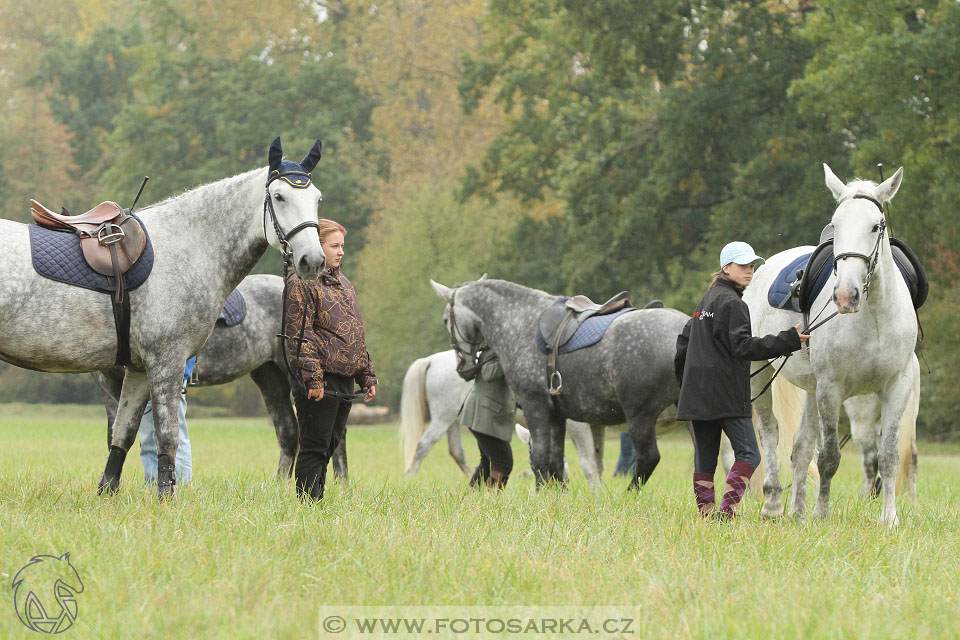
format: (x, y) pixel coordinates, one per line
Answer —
(110, 486)
(771, 515)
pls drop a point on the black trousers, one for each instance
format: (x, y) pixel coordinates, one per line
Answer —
(323, 426)
(495, 455)
(706, 436)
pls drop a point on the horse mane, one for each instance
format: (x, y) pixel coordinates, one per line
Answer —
(858, 185)
(506, 285)
(205, 189)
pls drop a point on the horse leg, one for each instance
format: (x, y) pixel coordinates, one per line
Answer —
(828, 461)
(598, 432)
(431, 436)
(863, 416)
(274, 386)
(582, 440)
(769, 431)
(165, 385)
(546, 444)
(893, 401)
(339, 460)
(643, 432)
(455, 446)
(134, 393)
(110, 382)
(804, 446)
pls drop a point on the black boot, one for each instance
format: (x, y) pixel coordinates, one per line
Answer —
(166, 477)
(110, 480)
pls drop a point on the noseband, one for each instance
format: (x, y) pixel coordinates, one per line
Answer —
(466, 371)
(284, 238)
(874, 258)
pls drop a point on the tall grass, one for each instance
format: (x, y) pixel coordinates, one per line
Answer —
(237, 556)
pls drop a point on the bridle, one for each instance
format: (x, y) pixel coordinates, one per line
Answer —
(467, 371)
(284, 238)
(874, 258)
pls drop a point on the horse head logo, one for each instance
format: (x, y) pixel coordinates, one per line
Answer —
(45, 593)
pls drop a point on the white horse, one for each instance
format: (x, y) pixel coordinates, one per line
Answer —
(432, 387)
(205, 241)
(866, 349)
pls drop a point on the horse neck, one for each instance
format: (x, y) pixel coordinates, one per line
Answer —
(508, 314)
(883, 284)
(225, 215)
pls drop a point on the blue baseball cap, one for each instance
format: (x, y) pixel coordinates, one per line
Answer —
(741, 253)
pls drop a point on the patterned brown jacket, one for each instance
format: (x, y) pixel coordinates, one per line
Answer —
(334, 340)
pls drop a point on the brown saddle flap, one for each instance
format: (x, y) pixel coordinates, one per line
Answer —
(129, 248)
(103, 222)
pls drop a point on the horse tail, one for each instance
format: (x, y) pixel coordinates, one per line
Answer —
(788, 403)
(413, 409)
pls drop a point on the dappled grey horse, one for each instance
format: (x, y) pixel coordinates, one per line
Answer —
(628, 377)
(249, 347)
(205, 241)
(866, 349)
(432, 387)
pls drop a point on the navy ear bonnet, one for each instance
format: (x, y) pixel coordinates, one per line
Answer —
(296, 174)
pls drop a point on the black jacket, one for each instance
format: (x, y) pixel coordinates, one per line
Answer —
(714, 353)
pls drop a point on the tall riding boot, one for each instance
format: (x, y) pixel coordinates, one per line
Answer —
(703, 490)
(481, 473)
(497, 480)
(737, 481)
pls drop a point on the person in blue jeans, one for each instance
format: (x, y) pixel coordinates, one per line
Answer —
(148, 443)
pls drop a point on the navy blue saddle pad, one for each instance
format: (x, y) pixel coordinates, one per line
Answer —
(57, 255)
(778, 295)
(588, 334)
(234, 309)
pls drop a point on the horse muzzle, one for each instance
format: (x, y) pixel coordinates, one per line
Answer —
(847, 299)
(309, 266)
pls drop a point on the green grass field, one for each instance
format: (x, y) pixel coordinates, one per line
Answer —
(237, 556)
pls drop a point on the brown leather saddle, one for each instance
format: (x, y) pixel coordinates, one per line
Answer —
(558, 323)
(111, 239)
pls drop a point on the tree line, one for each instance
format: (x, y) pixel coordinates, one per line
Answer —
(569, 146)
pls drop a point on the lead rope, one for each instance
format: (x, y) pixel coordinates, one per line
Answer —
(807, 330)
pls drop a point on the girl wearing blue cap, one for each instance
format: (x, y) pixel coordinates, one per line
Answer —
(713, 359)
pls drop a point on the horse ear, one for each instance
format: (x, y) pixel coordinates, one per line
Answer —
(483, 277)
(890, 186)
(276, 154)
(834, 183)
(444, 292)
(310, 160)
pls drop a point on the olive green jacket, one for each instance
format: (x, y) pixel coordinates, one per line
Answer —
(490, 407)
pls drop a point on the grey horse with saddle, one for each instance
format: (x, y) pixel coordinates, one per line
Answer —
(604, 364)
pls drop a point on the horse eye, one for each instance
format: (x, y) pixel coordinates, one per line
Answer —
(278, 197)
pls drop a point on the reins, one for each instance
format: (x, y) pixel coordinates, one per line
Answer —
(465, 371)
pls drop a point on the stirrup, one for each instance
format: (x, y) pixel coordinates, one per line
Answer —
(556, 383)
